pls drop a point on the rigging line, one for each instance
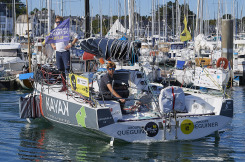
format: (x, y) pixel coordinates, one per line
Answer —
(217, 84)
(151, 90)
(212, 79)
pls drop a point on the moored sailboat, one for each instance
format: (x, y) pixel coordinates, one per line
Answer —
(152, 115)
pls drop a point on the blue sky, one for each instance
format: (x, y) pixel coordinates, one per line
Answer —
(76, 7)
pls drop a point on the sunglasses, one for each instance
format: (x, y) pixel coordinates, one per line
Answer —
(58, 22)
(111, 68)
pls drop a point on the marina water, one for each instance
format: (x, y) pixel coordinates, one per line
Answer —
(40, 141)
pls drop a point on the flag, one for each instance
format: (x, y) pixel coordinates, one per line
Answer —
(44, 42)
(60, 33)
(185, 35)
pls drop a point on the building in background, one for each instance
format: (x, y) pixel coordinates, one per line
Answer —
(6, 23)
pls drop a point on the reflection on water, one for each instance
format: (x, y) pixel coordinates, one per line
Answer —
(40, 141)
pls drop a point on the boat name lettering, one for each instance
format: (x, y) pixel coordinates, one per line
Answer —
(206, 125)
(131, 131)
(57, 106)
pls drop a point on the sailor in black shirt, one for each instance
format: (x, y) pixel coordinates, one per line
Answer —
(106, 84)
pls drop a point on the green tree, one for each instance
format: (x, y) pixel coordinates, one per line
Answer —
(34, 11)
(95, 25)
(20, 8)
(212, 22)
(169, 12)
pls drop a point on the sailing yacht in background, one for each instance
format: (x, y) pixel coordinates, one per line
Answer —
(13, 62)
(13, 58)
(10, 52)
(203, 69)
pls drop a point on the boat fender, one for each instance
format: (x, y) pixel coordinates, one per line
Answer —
(152, 53)
(189, 64)
(158, 73)
(29, 107)
(222, 59)
(172, 98)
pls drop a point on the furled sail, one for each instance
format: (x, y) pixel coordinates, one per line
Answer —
(110, 48)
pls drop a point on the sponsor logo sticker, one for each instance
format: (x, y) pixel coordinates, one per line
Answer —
(187, 126)
(152, 129)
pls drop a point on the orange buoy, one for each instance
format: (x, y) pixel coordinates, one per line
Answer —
(101, 60)
(222, 59)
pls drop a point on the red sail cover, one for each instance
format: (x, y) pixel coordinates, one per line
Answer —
(88, 56)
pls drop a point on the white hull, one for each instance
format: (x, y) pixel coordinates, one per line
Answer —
(137, 131)
(13, 63)
(203, 77)
(205, 115)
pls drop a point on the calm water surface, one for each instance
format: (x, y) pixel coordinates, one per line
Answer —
(40, 141)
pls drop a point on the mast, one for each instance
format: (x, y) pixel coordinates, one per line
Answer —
(136, 23)
(131, 18)
(197, 18)
(159, 27)
(166, 21)
(14, 20)
(201, 18)
(49, 15)
(217, 31)
(29, 53)
(234, 17)
(119, 14)
(172, 19)
(111, 18)
(241, 19)
(100, 21)
(125, 16)
(132, 12)
(87, 16)
(152, 29)
(177, 18)
(41, 13)
(91, 27)
(6, 22)
(62, 3)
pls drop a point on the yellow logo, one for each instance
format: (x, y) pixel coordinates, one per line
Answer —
(187, 126)
(79, 84)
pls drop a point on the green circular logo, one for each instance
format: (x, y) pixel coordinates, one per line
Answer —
(187, 126)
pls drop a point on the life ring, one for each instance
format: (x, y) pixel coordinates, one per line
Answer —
(222, 59)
